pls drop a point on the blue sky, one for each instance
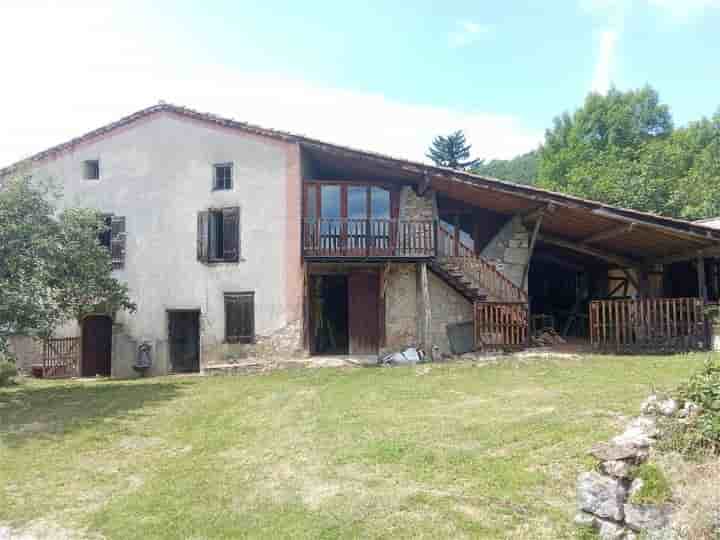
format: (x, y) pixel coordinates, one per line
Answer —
(385, 76)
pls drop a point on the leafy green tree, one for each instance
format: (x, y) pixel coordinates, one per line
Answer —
(451, 151)
(52, 269)
(521, 169)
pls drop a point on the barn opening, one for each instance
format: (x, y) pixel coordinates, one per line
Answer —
(329, 314)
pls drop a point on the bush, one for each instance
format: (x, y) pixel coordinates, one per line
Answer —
(699, 433)
(7, 371)
(655, 487)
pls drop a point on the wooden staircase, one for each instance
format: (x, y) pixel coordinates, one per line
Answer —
(477, 279)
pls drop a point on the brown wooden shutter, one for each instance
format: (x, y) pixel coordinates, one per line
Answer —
(202, 235)
(240, 317)
(117, 241)
(231, 234)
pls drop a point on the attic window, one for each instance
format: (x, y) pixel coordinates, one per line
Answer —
(91, 169)
(223, 176)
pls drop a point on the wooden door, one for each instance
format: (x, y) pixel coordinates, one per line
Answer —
(184, 338)
(96, 346)
(364, 312)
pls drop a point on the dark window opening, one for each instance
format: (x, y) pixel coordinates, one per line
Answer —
(113, 237)
(218, 237)
(240, 317)
(329, 314)
(91, 169)
(223, 176)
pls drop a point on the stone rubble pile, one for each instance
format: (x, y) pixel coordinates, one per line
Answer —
(603, 496)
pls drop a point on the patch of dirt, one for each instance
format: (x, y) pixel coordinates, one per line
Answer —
(44, 529)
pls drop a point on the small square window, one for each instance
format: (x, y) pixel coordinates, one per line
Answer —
(91, 169)
(223, 176)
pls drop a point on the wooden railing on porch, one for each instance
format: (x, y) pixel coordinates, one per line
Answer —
(381, 238)
(501, 325)
(61, 357)
(652, 324)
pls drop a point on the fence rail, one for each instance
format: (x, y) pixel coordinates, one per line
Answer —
(501, 325)
(330, 237)
(652, 324)
(61, 357)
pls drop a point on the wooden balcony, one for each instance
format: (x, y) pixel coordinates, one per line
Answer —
(341, 238)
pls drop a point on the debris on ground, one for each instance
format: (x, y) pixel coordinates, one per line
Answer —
(547, 337)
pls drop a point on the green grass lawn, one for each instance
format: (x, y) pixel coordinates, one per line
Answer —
(440, 451)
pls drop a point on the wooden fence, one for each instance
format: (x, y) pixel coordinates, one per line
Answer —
(501, 325)
(61, 357)
(651, 324)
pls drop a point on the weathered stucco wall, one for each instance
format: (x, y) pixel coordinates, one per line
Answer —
(401, 311)
(510, 250)
(158, 174)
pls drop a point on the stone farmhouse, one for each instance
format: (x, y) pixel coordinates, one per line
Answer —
(240, 242)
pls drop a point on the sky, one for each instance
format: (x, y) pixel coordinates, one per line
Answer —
(383, 76)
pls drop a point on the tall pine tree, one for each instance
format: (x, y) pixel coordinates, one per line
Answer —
(451, 151)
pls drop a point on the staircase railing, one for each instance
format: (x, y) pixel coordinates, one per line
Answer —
(489, 278)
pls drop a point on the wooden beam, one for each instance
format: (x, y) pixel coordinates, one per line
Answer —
(702, 284)
(632, 279)
(532, 215)
(423, 185)
(706, 237)
(531, 247)
(559, 261)
(608, 234)
(424, 311)
(684, 256)
(618, 260)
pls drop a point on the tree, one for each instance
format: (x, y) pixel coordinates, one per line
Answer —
(450, 151)
(521, 169)
(52, 269)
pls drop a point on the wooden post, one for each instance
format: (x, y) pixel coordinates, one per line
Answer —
(531, 247)
(423, 308)
(702, 285)
(643, 282)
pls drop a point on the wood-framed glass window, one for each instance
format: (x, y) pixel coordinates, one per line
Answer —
(349, 201)
(218, 236)
(222, 176)
(240, 317)
(113, 237)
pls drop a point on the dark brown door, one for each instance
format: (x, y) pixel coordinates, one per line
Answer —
(96, 346)
(184, 338)
(363, 315)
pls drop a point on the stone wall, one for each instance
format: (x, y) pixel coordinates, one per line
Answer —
(26, 350)
(401, 311)
(413, 206)
(509, 250)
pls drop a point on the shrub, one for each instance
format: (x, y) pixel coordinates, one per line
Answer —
(699, 433)
(7, 371)
(655, 487)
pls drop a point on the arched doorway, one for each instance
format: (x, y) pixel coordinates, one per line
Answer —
(96, 346)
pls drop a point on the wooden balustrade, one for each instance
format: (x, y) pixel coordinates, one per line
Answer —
(501, 325)
(653, 324)
(61, 357)
(340, 237)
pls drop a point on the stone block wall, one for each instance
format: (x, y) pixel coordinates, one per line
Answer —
(401, 309)
(509, 250)
(414, 206)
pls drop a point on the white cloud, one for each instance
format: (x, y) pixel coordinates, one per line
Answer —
(467, 33)
(76, 66)
(602, 77)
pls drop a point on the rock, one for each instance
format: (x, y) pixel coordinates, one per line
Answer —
(668, 407)
(614, 452)
(609, 530)
(640, 433)
(617, 468)
(583, 519)
(689, 409)
(644, 517)
(601, 496)
(649, 406)
(636, 486)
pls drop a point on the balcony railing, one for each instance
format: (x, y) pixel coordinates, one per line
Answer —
(369, 238)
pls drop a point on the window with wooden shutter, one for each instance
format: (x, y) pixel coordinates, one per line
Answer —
(240, 317)
(203, 224)
(117, 241)
(231, 233)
